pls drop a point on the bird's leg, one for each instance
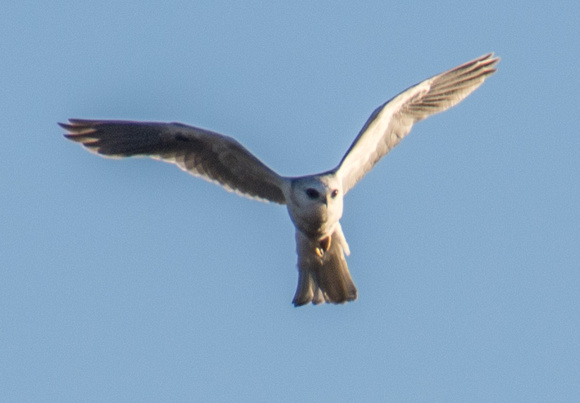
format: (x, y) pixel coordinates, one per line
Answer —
(324, 246)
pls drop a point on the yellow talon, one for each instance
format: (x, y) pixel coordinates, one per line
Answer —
(325, 243)
(324, 246)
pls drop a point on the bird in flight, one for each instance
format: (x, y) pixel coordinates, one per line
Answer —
(314, 202)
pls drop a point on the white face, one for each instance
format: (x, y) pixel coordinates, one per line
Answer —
(316, 204)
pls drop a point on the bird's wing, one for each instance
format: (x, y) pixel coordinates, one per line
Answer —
(211, 156)
(393, 120)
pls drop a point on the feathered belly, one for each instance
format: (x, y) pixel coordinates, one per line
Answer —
(316, 225)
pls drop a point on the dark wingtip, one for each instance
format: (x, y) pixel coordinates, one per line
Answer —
(78, 130)
(65, 126)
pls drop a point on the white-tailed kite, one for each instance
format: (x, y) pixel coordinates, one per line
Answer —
(314, 202)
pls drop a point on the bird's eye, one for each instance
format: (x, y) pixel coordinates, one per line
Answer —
(312, 193)
(334, 193)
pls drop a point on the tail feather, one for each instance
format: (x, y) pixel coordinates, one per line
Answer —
(326, 278)
(307, 290)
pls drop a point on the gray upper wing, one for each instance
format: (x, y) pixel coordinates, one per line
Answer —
(393, 120)
(212, 156)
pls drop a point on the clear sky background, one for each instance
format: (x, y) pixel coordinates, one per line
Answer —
(131, 280)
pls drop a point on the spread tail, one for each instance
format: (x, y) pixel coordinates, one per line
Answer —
(323, 277)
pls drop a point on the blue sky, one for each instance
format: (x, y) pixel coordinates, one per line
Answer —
(130, 280)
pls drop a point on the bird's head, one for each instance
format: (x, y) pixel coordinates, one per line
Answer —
(316, 201)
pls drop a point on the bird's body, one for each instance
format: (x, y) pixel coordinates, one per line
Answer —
(314, 202)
